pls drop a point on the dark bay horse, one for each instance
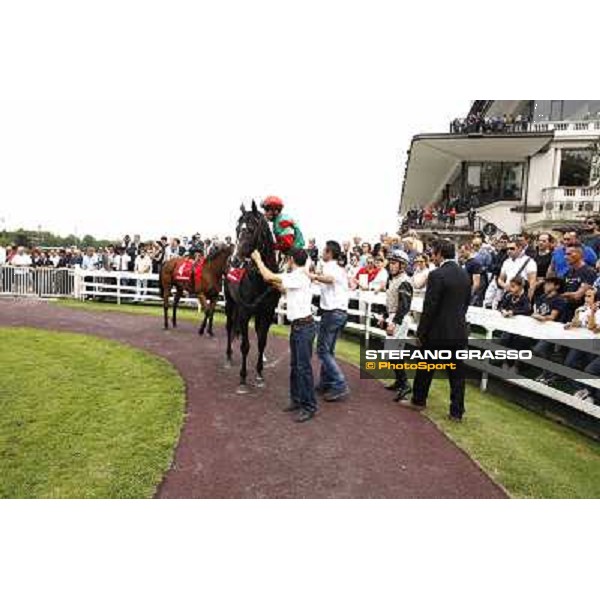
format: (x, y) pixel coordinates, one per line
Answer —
(207, 287)
(251, 297)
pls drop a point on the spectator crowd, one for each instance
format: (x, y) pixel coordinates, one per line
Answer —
(546, 276)
(477, 123)
(128, 255)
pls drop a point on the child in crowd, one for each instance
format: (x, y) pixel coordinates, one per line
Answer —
(549, 306)
(587, 315)
(514, 302)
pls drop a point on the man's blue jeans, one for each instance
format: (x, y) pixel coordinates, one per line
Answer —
(302, 387)
(332, 322)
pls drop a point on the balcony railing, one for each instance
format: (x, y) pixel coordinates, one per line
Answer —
(570, 203)
(566, 127)
(496, 126)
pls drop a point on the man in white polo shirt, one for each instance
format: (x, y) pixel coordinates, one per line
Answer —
(296, 285)
(334, 307)
(518, 264)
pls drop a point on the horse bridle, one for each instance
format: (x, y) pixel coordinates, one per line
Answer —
(259, 238)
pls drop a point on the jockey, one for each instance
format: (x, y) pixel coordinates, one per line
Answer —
(286, 230)
(395, 320)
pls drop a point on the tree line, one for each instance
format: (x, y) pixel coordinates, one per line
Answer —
(31, 238)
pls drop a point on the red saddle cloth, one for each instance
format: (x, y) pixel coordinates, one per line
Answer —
(183, 273)
(235, 275)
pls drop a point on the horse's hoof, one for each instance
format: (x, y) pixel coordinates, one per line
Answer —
(259, 382)
(242, 389)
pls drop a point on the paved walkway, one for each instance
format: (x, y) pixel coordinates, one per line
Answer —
(236, 446)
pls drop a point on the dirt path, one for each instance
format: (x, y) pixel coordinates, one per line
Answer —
(236, 446)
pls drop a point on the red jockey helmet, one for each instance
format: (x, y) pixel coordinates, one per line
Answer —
(272, 202)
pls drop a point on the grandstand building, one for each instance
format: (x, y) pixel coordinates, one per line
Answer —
(521, 164)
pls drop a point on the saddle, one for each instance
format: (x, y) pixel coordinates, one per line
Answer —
(183, 272)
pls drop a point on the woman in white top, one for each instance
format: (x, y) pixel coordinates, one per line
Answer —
(420, 274)
(379, 283)
(143, 267)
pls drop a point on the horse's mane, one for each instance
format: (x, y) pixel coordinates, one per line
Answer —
(264, 241)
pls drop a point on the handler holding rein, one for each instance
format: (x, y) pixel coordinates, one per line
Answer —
(296, 285)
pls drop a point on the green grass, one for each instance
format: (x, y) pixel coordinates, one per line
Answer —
(83, 417)
(531, 456)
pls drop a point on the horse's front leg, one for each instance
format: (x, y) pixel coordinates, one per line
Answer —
(245, 348)
(229, 323)
(211, 316)
(207, 308)
(261, 325)
(203, 322)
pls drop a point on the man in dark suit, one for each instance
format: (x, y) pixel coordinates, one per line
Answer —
(443, 324)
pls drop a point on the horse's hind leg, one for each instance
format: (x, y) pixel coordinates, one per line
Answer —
(166, 307)
(178, 293)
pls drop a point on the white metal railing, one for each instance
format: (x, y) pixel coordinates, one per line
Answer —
(132, 287)
(45, 282)
(570, 203)
(566, 127)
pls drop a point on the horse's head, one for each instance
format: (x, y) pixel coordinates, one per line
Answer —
(252, 232)
(220, 250)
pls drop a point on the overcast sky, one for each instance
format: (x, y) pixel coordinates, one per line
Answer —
(132, 118)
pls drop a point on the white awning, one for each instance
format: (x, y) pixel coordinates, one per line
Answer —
(433, 159)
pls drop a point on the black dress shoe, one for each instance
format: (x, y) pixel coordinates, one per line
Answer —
(291, 407)
(303, 416)
(403, 392)
(455, 419)
(393, 387)
(413, 406)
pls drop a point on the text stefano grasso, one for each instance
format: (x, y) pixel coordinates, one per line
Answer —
(466, 354)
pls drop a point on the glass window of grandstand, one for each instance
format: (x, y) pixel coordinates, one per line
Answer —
(491, 181)
(575, 167)
(566, 110)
